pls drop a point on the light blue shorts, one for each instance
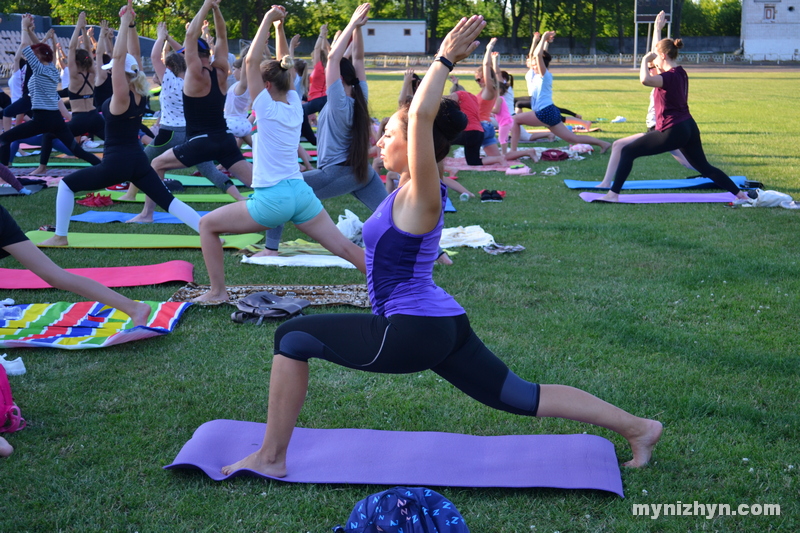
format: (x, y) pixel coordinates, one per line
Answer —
(290, 200)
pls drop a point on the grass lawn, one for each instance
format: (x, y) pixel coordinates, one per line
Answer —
(684, 313)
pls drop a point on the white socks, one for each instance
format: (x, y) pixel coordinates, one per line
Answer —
(65, 203)
(185, 214)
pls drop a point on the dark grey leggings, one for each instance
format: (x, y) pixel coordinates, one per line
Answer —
(402, 344)
(683, 136)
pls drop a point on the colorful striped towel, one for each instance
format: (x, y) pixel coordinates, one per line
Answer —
(75, 326)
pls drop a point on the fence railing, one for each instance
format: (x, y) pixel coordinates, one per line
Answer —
(409, 61)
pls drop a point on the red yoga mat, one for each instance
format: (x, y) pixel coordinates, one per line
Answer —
(132, 276)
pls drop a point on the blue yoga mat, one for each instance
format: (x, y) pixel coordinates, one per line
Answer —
(103, 217)
(685, 183)
(449, 207)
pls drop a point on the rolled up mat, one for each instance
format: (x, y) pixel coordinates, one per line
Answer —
(130, 276)
(103, 217)
(665, 198)
(365, 456)
(197, 181)
(138, 240)
(684, 183)
(220, 198)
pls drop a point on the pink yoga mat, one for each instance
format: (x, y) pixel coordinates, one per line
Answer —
(132, 276)
(665, 198)
(423, 458)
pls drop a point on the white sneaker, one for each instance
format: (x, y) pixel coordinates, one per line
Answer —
(91, 144)
(13, 368)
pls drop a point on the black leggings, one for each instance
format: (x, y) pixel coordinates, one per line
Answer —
(82, 122)
(471, 141)
(44, 121)
(683, 136)
(19, 107)
(309, 108)
(524, 102)
(118, 167)
(402, 344)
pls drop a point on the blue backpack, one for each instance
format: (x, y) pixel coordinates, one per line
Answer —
(405, 510)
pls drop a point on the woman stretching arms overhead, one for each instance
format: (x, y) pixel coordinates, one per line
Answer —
(417, 325)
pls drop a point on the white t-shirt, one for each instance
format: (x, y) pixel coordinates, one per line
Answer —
(65, 78)
(237, 106)
(15, 83)
(275, 144)
(171, 100)
(529, 76)
(509, 98)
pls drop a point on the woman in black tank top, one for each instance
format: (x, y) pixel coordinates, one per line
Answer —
(123, 158)
(85, 118)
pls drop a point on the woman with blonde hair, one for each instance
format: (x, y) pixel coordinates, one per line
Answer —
(281, 194)
(123, 156)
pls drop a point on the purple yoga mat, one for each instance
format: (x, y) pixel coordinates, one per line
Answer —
(365, 456)
(666, 198)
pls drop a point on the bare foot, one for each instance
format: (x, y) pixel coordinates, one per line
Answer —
(604, 147)
(603, 185)
(643, 444)
(39, 171)
(141, 219)
(444, 259)
(55, 240)
(253, 462)
(6, 449)
(141, 315)
(266, 253)
(610, 197)
(212, 296)
(127, 197)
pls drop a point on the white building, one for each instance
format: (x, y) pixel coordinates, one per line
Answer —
(391, 36)
(771, 29)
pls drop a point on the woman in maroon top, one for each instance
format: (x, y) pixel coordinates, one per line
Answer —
(675, 127)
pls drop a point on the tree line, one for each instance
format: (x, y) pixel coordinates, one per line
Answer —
(579, 21)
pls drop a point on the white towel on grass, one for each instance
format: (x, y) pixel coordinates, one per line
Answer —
(304, 260)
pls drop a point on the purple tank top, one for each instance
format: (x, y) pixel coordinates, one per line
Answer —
(400, 267)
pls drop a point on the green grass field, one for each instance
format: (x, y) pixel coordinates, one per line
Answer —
(684, 313)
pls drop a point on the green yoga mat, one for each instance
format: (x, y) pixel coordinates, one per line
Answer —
(197, 181)
(220, 198)
(139, 240)
(54, 163)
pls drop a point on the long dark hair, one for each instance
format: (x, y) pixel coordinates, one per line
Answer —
(449, 122)
(358, 156)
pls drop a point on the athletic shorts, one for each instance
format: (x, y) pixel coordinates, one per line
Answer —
(209, 147)
(239, 126)
(10, 232)
(489, 137)
(289, 200)
(549, 116)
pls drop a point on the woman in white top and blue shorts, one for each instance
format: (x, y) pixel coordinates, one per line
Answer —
(280, 194)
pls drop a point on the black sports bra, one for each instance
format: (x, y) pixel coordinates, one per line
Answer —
(78, 95)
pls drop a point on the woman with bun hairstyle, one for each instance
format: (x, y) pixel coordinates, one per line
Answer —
(343, 129)
(280, 194)
(675, 127)
(44, 100)
(80, 90)
(416, 325)
(123, 156)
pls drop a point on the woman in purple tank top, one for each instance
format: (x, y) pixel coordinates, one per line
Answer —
(415, 325)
